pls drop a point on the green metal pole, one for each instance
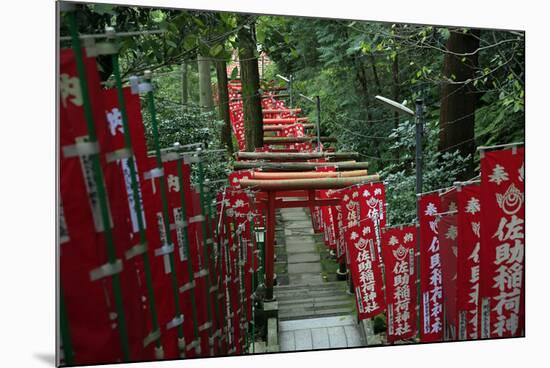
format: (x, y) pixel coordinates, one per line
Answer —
(136, 196)
(186, 245)
(242, 291)
(206, 241)
(68, 353)
(228, 286)
(214, 234)
(164, 198)
(98, 177)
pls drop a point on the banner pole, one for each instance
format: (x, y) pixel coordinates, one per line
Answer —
(68, 353)
(217, 255)
(98, 177)
(164, 199)
(136, 196)
(206, 253)
(185, 233)
(227, 281)
(242, 291)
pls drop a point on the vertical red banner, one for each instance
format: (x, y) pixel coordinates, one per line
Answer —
(431, 280)
(503, 240)
(469, 216)
(398, 251)
(363, 212)
(88, 251)
(448, 233)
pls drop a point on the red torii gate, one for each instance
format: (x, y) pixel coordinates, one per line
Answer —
(274, 193)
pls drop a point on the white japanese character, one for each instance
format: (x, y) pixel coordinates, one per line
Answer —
(499, 175)
(473, 206)
(114, 117)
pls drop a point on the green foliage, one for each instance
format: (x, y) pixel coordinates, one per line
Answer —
(440, 170)
(379, 323)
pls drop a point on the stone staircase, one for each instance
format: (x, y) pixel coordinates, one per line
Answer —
(321, 299)
(312, 313)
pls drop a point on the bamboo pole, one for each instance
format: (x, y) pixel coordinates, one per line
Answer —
(298, 166)
(290, 140)
(306, 175)
(99, 181)
(322, 183)
(302, 156)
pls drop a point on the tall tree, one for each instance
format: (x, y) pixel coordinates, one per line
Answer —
(458, 97)
(223, 103)
(250, 81)
(205, 83)
(184, 83)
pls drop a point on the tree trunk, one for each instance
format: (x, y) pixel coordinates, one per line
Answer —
(223, 104)
(395, 75)
(458, 101)
(184, 84)
(205, 83)
(250, 81)
(375, 73)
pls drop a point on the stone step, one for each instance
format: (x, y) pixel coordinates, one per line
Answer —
(302, 314)
(303, 257)
(304, 267)
(317, 323)
(285, 296)
(316, 305)
(311, 287)
(316, 299)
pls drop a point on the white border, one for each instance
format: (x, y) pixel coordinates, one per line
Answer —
(27, 186)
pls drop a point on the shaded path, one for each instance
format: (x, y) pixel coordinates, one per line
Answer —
(313, 313)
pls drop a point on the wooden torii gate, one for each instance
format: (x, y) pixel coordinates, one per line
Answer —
(294, 190)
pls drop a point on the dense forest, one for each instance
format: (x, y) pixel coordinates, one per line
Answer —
(471, 82)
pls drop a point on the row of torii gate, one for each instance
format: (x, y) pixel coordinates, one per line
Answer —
(290, 169)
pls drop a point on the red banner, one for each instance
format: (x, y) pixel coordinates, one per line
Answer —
(77, 172)
(431, 286)
(448, 233)
(364, 213)
(469, 216)
(502, 236)
(398, 251)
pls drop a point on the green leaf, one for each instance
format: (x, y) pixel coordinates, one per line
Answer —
(234, 73)
(216, 50)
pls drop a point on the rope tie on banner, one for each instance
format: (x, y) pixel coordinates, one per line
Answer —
(201, 273)
(153, 336)
(205, 326)
(193, 344)
(159, 353)
(153, 173)
(108, 269)
(187, 286)
(136, 250)
(197, 218)
(81, 149)
(181, 343)
(175, 322)
(119, 154)
(167, 248)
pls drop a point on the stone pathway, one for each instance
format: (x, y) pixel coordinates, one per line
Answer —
(319, 333)
(313, 313)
